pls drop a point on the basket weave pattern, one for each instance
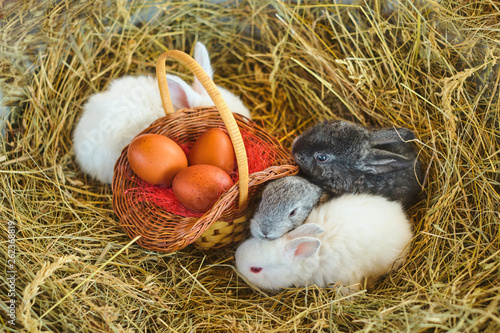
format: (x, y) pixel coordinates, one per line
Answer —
(164, 231)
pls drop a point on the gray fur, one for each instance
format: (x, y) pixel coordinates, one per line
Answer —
(360, 160)
(280, 198)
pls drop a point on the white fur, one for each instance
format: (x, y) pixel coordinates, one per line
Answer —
(365, 236)
(112, 118)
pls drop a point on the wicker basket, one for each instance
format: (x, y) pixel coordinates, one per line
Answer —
(161, 230)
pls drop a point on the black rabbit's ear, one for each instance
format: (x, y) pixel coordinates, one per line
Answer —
(382, 161)
(388, 136)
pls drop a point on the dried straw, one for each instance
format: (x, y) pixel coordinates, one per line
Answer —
(429, 66)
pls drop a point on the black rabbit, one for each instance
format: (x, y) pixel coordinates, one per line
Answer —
(343, 157)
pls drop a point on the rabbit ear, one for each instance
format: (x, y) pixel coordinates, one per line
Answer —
(305, 230)
(381, 161)
(301, 248)
(388, 136)
(201, 56)
(181, 94)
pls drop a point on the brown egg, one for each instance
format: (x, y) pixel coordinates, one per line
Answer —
(156, 158)
(213, 147)
(198, 187)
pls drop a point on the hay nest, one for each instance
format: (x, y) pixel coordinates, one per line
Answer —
(432, 67)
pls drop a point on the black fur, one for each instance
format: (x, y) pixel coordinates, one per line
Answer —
(360, 160)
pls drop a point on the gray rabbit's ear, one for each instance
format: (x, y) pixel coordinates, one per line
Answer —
(388, 136)
(381, 161)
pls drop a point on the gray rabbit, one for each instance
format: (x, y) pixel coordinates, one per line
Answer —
(343, 157)
(285, 204)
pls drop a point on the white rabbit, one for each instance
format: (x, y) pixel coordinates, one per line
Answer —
(112, 118)
(343, 241)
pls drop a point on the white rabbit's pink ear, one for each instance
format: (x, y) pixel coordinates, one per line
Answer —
(305, 230)
(301, 248)
(181, 94)
(201, 56)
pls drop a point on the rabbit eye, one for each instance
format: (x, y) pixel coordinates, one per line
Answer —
(292, 213)
(255, 269)
(321, 158)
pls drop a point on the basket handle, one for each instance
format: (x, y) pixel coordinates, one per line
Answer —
(226, 114)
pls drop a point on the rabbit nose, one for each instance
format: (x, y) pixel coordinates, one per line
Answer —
(267, 237)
